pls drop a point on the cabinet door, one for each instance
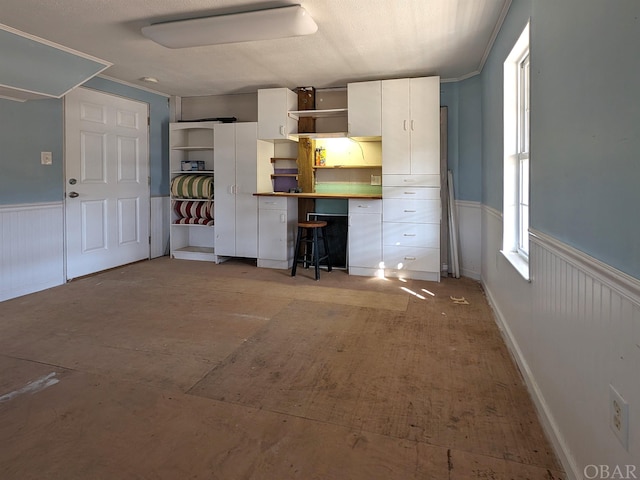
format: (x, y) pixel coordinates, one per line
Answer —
(273, 113)
(246, 213)
(365, 233)
(395, 127)
(364, 102)
(365, 240)
(424, 125)
(272, 242)
(224, 188)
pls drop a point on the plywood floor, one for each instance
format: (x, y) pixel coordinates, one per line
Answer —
(172, 369)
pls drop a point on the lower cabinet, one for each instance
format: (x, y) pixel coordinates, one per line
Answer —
(277, 228)
(365, 237)
(411, 228)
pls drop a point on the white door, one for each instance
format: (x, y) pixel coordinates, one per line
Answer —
(247, 181)
(106, 181)
(224, 181)
(396, 150)
(425, 125)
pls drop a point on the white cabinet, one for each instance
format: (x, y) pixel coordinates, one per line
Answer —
(364, 101)
(365, 237)
(274, 122)
(277, 228)
(191, 167)
(411, 211)
(411, 230)
(242, 168)
(411, 126)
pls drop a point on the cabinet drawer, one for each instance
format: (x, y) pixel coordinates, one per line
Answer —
(411, 258)
(411, 192)
(272, 203)
(411, 234)
(413, 180)
(364, 206)
(411, 211)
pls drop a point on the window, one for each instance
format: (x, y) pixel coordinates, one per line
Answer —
(515, 242)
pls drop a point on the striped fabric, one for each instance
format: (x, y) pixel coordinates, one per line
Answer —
(192, 186)
(194, 221)
(194, 209)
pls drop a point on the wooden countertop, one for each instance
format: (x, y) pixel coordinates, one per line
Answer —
(320, 195)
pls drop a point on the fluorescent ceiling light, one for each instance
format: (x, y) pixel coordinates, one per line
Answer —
(279, 22)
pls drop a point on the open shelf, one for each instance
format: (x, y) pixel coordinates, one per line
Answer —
(332, 112)
(346, 166)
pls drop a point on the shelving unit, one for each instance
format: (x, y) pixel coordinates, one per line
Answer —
(194, 239)
(284, 179)
(346, 167)
(331, 112)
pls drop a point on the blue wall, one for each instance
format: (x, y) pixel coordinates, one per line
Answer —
(585, 120)
(585, 127)
(36, 126)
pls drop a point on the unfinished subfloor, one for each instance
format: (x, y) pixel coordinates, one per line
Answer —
(171, 369)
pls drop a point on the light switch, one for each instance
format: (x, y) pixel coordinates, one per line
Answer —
(46, 158)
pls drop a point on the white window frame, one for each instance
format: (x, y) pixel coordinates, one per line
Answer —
(515, 241)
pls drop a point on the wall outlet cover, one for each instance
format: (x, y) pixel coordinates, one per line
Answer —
(619, 416)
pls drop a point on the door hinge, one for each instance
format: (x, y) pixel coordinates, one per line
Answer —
(149, 181)
(149, 239)
(148, 121)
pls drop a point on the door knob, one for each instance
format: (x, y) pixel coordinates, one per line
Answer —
(73, 194)
(72, 181)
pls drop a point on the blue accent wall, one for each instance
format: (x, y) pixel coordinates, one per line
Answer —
(585, 127)
(585, 119)
(29, 128)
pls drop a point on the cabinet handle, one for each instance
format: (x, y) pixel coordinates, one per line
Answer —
(408, 180)
(363, 206)
(283, 218)
(412, 125)
(409, 193)
(409, 258)
(410, 211)
(404, 125)
(269, 203)
(282, 130)
(409, 234)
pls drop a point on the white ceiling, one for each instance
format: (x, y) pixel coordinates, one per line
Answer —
(356, 40)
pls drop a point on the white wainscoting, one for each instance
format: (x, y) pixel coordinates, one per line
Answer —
(159, 226)
(573, 330)
(470, 238)
(31, 248)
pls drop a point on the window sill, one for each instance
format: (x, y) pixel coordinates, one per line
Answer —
(520, 263)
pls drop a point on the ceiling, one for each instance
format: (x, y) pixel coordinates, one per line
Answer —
(356, 40)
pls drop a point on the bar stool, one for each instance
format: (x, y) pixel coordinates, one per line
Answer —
(308, 235)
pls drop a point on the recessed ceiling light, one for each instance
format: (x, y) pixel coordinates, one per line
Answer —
(149, 79)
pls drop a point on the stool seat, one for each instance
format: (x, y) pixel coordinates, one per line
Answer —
(312, 224)
(308, 238)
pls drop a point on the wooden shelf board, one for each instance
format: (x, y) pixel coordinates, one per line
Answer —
(332, 112)
(344, 167)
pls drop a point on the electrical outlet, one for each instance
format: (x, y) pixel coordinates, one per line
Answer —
(619, 416)
(376, 180)
(46, 158)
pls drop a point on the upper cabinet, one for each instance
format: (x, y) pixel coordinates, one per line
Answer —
(411, 126)
(365, 109)
(274, 121)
